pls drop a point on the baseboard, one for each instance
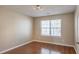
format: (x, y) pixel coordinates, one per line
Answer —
(54, 43)
(75, 50)
(35, 41)
(15, 47)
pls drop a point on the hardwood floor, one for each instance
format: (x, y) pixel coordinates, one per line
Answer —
(42, 48)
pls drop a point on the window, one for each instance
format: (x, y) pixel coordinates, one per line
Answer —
(45, 28)
(51, 27)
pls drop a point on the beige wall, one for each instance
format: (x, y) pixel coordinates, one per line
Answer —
(67, 37)
(15, 29)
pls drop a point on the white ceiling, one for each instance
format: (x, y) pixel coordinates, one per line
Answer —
(47, 9)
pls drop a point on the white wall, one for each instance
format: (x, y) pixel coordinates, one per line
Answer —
(77, 29)
(15, 29)
(67, 29)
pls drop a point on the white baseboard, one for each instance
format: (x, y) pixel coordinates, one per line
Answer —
(15, 47)
(54, 43)
(75, 49)
(35, 41)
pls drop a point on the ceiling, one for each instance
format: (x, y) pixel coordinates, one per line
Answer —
(47, 9)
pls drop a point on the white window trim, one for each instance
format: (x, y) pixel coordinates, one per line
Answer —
(50, 30)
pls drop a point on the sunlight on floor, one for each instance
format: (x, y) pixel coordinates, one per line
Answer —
(47, 51)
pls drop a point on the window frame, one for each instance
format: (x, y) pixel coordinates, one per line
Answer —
(50, 30)
(45, 27)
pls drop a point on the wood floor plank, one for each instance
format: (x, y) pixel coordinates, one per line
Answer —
(42, 48)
